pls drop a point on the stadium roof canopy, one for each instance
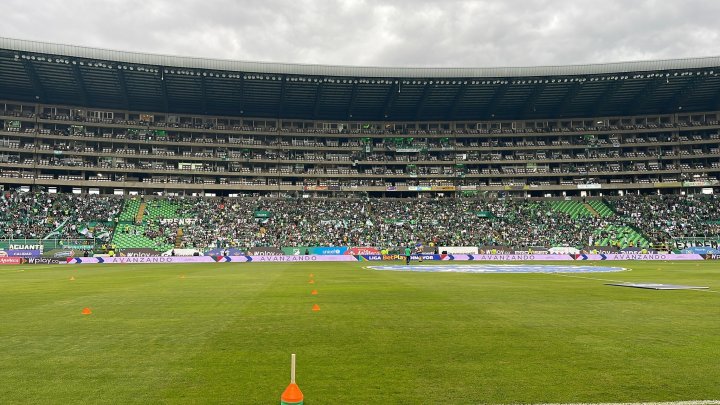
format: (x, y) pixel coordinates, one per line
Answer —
(71, 75)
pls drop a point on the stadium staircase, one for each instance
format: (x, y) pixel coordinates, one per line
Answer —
(616, 235)
(591, 209)
(141, 212)
(575, 209)
(137, 218)
(622, 237)
(178, 238)
(600, 208)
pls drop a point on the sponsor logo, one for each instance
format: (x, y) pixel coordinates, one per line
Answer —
(21, 253)
(265, 252)
(330, 251)
(505, 257)
(45, 260)
(424, 257)
(138, 252)
(525, 252)
(310, 258)
(362, 251)
(141, 259)
(640, 256)
(459, 250)
(63, 253)
(12, 260)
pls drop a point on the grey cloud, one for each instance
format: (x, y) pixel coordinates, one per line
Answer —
(381, 33)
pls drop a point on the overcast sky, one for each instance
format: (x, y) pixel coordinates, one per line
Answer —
(380, 33)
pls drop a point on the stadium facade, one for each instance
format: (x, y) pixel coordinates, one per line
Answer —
(85, 120)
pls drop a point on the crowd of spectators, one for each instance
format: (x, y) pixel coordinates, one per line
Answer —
(666, 217)
(274, 222)
(60, 216)
(390, 223)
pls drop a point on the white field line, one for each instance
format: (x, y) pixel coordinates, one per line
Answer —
(703, 402)
(619, 281)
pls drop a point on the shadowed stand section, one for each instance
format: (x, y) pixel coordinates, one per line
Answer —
(292, 394)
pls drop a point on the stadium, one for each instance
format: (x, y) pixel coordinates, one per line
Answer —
(226, 191)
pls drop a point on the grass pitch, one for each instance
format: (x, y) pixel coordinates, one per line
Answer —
(223, 333)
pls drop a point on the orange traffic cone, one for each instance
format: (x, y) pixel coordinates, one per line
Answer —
(86, 311)
(316, 307)
(314, 292)
(311, 281)
(292, 394)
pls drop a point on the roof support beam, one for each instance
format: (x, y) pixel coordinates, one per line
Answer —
(641, 98)
(35, 80)
(82, 90)
(500, 91)
(241, 93)
(604, 98)
(281, 101)
(427, 89)
(318, 97)
(163, 89)
(353, 97)
(123, 89)
(456, 101)
(529, 105)
(568, 99)
(203, 92)
(391, 97)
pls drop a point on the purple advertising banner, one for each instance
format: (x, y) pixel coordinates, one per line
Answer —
(536, 257)
(145, 259)
(609, 256)
(351, 258)
(23, 253)
(288, 259)
(210, 259)
(641, 256)
(507, 257)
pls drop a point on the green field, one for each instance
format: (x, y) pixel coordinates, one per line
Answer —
(223, 333)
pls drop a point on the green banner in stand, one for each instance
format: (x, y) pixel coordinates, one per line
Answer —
(263, 214)
(77, 247)
(295, 251)
(44, 245)
(485, 214)
(160, 132)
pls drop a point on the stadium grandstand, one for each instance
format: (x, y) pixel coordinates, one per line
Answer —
(146, 151)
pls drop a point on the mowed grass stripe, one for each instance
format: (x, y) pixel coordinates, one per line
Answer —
(533, 321)
(145, 321)
(224, 335)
